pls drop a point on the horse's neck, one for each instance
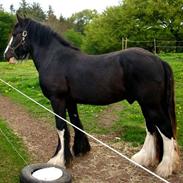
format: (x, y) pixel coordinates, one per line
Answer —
(43, 55)
(40, 54)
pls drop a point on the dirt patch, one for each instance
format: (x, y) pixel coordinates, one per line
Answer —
(39, 136)
(107, 117)
(99, 166)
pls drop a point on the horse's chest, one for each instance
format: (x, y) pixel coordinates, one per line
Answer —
(53, 85)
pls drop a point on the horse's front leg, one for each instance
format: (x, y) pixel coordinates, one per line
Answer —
(62, 155)
(81, 145)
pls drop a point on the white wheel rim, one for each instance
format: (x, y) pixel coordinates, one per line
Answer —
(48, 174)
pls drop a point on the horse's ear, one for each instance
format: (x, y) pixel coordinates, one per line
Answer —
(20, 19)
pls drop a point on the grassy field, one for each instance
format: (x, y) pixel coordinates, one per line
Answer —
(10, 164)
(131, 122)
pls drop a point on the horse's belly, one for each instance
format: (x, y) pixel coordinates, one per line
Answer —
(99, 96)
(104, 86)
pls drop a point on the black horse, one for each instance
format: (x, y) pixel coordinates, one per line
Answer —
(68, 77)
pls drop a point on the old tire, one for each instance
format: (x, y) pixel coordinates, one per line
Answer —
(26, 174)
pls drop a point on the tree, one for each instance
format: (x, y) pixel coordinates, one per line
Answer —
(74, 37)
(50, 11)
(24, 8)
(51, 18)
(33, 11)
(104, 32)
(6, 23)
(12, 9)
(60, 25)
(1, 7)
(169, 16)
(61, 18)
(36, 12)
(158, 19)
(53, 22)
(81, 19)
(138, 20)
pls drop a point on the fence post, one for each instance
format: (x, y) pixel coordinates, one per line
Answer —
(155, 46)
(126, 43)
(122, 43)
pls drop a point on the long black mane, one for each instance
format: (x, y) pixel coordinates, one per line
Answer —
(43, 34)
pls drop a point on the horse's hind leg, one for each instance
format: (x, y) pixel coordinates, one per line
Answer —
(148, 154)
(170, 159)
(81, 144)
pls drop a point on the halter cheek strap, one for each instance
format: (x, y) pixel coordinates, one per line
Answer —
(22, 42)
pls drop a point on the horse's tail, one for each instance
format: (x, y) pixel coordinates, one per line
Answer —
(169, 96)
(168, 106)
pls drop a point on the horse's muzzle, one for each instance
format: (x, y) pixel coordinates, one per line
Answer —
(10, 56)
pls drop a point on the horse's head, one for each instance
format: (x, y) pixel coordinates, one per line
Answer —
(18, 45)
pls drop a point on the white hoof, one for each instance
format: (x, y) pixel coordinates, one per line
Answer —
(57, 161)
(147, 155)
(170, 160)
(140, 158)
(164, 170)
(144, 159)
(169, 164)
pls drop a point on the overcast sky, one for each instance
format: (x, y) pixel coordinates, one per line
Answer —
(65, 7)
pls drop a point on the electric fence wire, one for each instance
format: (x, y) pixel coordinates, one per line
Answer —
(13, 147)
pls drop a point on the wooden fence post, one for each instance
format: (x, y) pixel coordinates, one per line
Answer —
(122, 43)
(126, 43)
(155, 46)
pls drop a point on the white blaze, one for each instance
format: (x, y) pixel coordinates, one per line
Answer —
(147, 155)
(58, 159)
(9, 44)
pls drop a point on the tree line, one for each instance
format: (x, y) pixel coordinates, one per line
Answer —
(95, 33)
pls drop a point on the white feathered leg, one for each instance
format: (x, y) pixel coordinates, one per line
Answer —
(147, 155)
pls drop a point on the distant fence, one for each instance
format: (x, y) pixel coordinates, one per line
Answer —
(154, 45)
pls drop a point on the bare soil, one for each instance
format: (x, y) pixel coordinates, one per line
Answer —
(99, 166)
(108, 116)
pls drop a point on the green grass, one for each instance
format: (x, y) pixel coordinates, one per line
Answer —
(131, 124)
(24, 77)
(10, 163)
